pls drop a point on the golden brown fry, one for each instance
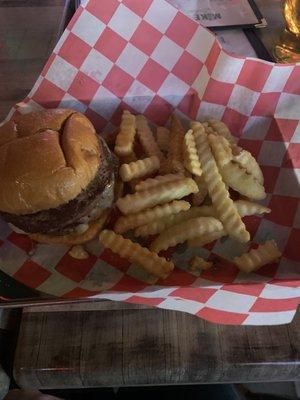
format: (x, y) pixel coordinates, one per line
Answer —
(175, 154)
(163, 138)
(184, 231)
(198, 263)
(238, 179)
(191, 159)
(147, 139)
(257, 258)
(131, 221)
(221, 149)
(221, 129)
(247, 161)
(198, 198)
(205, 239)
(158, 195)
(136, 254)
(223, 204)
(125, 137)
(138, 169)
(78, 252)
(246, 207)
(157, 181)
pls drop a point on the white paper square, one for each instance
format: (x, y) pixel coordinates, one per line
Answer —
(114, 296)
(256, 128)
(11, 258)
(228, 248)
(132, 60)
(201, 43)
(288, 182)
(138, 97)
(277, 79)
(230, 301)
(272, 153)
(69, 101)
(207, 110)
(296, 135)
(101, 277)
(88, 28)
(156, 291)
(243, 99)
(104, 102)
(288, 106)
(227, 68)
(49, 259)
(160, 15)
(273, 291)
(201, 82)
(96, 66)
(173, 90)
(269, 318)
(124, 22)
(167, 53)
(188, 306)
(61, 73)
(268, 230)
(57, 285)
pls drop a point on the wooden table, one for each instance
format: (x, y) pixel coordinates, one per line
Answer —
(115, 344)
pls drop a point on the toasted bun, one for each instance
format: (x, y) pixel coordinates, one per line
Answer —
(73, 239)
(46, 159)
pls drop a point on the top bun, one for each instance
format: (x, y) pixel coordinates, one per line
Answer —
(46, 159)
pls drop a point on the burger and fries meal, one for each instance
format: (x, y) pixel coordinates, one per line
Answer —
(61, 184)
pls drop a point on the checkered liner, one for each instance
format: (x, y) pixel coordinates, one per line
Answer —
(147, 57)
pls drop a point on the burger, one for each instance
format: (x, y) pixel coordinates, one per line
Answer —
(56, 176)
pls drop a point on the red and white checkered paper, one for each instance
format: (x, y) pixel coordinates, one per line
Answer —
(148, 57)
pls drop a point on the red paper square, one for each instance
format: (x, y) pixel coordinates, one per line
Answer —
(223, 271)
(251, 145)
(118, 81)
(83, 88)
(103, 9)
(273, 305)
(187, 68)
(128, 284)
(158, 111)
(283, 210)
(110, 44)
(212, 57)
(144, 300)
(48, 94)
(268, 270)
(190, 104)
(176, 32)
(138, 7)
(146, 37)
(251, 289)
(234, 120)
(75, 18)
(270, 177)
(32, 274)
(178, 275)
(292, 156)
(252, 68)
(266, 104)
(96, 119)
(252, 224)
(22, 241)
(74, 269)
(217, 92)
(292, 84)
(77, 57)
(282, 129)
(152, 75)
(115, 260)
(293, 245)
(48, 64)
(79, 292)
(193, 293)
(221, 317)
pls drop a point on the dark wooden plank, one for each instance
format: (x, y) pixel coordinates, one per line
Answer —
(149, 346)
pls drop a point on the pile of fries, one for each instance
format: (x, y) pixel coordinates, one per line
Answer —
(179, 189)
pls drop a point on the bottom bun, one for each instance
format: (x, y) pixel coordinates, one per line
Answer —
(74, 238)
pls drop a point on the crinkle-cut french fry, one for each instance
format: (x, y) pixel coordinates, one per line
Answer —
(238, 179)
(138, 169)
(198, 198)
(223, 204)
(184, 231)
(136, 254)
(257, 258)
(157, 181)
(246, 207)
(163, 138)
(221, 129)
(147, 139)
(198, 263)
(125, 137)
(158, 195)
(131, 221)
(205, 239)
(247, 161)
(191, 159)
(175, 154)
(221, 149)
